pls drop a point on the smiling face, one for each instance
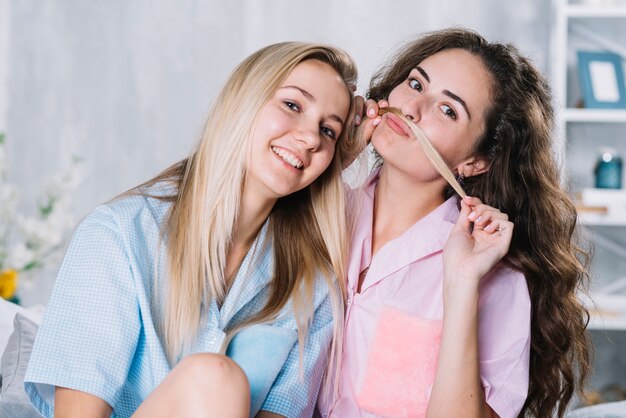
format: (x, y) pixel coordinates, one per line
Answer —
(447, 95)
(295, 133)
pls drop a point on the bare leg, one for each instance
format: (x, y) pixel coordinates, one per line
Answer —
(200, 386)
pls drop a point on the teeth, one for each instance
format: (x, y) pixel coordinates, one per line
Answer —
(288, 157)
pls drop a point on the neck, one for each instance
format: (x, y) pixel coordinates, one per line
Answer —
(400, 202)
(252, 215)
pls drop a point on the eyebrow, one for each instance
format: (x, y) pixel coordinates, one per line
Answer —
(446, 92)
(311, 98)
(423, 73)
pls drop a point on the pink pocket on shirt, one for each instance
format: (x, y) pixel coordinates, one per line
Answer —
(401, 365)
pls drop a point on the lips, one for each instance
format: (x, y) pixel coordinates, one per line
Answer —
(396, 124)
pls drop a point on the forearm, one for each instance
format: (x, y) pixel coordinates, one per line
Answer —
(69, 403)
(457, 390)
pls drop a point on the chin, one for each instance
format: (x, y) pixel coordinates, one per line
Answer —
(280, 192)
(381, 143)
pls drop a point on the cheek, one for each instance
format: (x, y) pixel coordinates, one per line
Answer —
(400, 94)
(270, 123)
(330, 154)
(326, 157)
(455, 149)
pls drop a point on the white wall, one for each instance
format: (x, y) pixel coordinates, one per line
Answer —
(5, 25)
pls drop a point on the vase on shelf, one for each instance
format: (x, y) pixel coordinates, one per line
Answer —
(608, 170)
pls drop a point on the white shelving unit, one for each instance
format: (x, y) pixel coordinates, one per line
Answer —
(589, 10)
(594, 219)
(608, 312)
(570, 20)
(593, 115)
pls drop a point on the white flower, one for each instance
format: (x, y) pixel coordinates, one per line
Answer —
(20, 256)
(28, 242)
(38, 232)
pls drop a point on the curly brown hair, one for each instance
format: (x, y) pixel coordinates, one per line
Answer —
(523, 181)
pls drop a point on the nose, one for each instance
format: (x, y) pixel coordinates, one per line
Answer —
(309, 136)
(412, 109)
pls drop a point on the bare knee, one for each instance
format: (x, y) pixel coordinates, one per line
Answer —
(200, 386)
(215, 374)
(216, 382)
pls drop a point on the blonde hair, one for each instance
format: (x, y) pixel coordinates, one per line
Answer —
(204, 209)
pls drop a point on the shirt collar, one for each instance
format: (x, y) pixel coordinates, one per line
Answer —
(427, 236)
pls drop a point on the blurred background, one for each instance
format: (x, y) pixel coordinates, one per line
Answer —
(126, 85)
(98, 96)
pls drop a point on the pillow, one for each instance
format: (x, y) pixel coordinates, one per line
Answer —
(7, 314)
(14, 401)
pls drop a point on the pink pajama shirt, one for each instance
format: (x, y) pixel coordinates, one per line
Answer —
(393, 327)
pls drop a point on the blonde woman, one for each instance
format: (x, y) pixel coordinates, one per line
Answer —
(198, 293)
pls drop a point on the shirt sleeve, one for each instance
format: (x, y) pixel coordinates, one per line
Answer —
(504, 333)
(91, 325)
(295, 391)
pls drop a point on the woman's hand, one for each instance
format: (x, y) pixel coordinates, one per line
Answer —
(371, 118)
(365, 119)
(470, 253)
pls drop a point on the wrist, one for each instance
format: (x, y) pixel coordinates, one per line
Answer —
(462, 291)
(461, 282)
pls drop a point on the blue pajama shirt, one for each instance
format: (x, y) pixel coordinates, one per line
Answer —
(99, 332)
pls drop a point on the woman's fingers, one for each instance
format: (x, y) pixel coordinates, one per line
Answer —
(371, 119)
(369, 109)
(486, 217)
(463, 221)
(359, 109)
(498, 226)
(372, 108)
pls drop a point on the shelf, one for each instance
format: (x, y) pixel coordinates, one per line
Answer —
(598, 219)
(590, 11)
(602, 207)
(608, 312)
(600, 323)
(594, 115)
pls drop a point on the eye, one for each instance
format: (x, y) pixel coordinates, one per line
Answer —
(415, 84)
(328, 132)
(448, 111)
(292, 106)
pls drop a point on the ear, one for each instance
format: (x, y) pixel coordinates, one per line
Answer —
(473, 167)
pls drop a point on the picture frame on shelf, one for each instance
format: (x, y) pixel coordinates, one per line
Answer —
(601, 80)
